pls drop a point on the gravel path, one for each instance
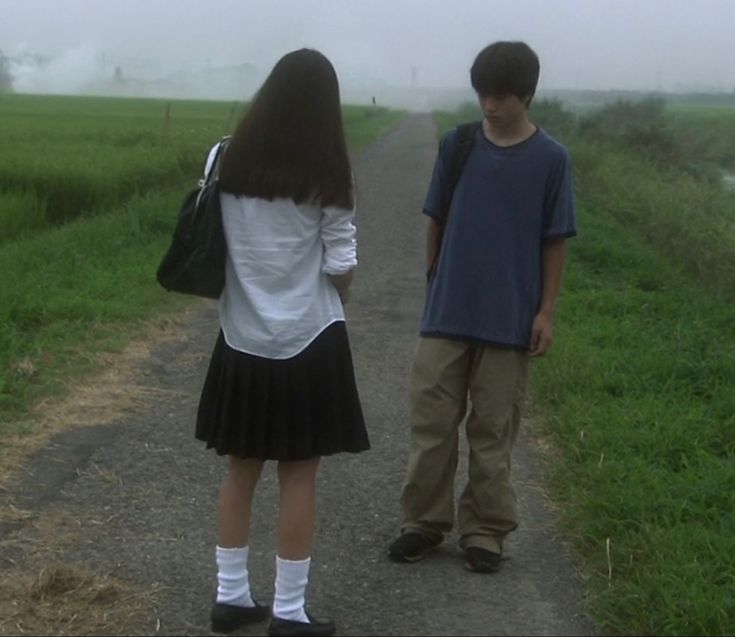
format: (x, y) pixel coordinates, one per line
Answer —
(136, 498)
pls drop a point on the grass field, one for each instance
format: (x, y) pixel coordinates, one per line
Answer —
(66, 157)
(637, 393)
(708, 132)
(90, 192)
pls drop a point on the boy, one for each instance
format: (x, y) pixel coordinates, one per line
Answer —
(495, 251)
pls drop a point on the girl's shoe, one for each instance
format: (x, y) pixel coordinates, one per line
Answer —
(226, 617)
(287, 628)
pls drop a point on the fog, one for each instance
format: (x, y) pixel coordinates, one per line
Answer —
(402, 52)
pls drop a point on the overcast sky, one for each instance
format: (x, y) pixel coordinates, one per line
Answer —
(598, 44)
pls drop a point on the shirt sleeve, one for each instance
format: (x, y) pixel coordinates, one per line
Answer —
(339, 238)
(559, 206)
(437, 196)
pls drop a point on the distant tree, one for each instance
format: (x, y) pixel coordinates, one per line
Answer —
(6, 79)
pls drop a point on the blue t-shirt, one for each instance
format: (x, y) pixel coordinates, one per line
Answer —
(487, 283)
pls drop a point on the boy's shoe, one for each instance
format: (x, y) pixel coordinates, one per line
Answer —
(411, 547)
(289, 628)
(482, 561)
(227, 617)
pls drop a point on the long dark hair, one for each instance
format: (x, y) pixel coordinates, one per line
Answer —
(291, 142)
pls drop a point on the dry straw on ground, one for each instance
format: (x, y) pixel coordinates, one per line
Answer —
(62, 599)
(67, 600)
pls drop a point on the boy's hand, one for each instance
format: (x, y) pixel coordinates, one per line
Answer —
(542, 333)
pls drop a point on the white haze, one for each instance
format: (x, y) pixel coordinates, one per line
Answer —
(402, 52)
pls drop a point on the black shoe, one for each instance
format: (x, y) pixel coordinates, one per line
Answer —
(287, 627)
(411, 547)
(226, 617)
(482, 561)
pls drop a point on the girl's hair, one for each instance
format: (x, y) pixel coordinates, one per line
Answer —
(291, 142)
(506, 68)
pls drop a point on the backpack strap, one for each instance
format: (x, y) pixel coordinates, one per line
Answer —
(461, 152)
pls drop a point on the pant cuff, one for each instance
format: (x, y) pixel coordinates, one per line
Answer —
(487, 542)
(433, 535)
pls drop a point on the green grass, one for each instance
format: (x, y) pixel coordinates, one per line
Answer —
(637, 395)
(708, 132)
(74, 290)
(690, 221)
(81, 156)
(70, 157)
(364, 124)
(89, 284)
(21, 214)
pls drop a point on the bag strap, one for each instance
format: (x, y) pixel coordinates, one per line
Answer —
(463, 148)
(213, 172)
(460, 154)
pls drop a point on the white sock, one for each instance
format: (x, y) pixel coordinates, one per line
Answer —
(233, 582)
(291, 580)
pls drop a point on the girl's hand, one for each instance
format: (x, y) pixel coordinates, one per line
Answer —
(342, 283)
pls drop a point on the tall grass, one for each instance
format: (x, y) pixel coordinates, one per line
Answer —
(690, 221)
(80, 156)
(68, 157)
(706, 132)
(75, 289)
(637, 392)
(21, 214)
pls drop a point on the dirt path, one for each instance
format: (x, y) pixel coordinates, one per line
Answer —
(135, 499)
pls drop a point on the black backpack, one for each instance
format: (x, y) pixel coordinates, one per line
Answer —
(195, 261)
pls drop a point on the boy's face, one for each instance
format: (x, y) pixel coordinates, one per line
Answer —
(503, 110)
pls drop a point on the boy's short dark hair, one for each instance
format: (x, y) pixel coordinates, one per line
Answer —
(506, 68)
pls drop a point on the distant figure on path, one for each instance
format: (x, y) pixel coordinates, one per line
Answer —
(280, 384)
(495, 257)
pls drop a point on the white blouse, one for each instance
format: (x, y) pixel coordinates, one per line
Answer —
(277, 297)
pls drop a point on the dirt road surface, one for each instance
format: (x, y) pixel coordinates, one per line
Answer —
(135, 498)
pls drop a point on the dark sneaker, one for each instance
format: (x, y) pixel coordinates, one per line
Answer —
(411, 547)
(227, 618)
(287, 628)
(482, 561)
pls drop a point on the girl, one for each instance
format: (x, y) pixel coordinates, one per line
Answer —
(280, 384)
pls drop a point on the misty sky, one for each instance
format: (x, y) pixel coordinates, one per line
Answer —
(598, 44)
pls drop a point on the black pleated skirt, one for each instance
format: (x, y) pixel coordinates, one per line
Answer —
(291, 409)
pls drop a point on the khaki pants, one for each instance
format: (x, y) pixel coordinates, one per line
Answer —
(444, 373)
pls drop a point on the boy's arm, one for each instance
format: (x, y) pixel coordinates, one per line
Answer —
(433, 242)
(553, 256)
